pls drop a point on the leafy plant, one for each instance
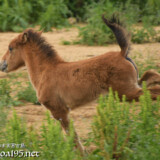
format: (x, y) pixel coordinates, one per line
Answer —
(127, 131)
(97, 33)
(14, 15)
(151, 12)
(55, 15)
(51, 143)
(144, 35)
(6, 100)
(54, 145)
(20, 14)
(27, 94)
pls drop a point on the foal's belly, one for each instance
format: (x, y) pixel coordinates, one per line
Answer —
(79, 101)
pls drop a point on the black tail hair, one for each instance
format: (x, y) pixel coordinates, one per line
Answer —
(122, 36)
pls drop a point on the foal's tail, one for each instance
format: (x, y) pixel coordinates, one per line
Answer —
(122, 36)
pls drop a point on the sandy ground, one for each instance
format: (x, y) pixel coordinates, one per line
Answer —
(82, 116)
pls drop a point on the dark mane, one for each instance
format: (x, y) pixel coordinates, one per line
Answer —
(41, 42)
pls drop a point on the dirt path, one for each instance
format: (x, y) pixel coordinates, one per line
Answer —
(82, 116)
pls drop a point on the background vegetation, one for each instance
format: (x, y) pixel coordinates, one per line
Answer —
(16, 15)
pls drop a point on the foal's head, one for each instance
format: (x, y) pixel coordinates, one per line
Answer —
(14, 58)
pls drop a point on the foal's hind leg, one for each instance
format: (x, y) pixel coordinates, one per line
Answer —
(135, 94)
(151, 77)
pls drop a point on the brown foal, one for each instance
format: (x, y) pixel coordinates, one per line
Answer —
(61, 86)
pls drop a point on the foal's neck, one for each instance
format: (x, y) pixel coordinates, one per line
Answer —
(37, 63)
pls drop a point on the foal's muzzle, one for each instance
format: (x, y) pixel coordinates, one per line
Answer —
(3, 66)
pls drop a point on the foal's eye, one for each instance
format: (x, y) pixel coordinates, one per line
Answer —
(10, 49)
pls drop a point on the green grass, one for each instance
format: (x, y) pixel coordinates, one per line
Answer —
(145, 63)
(27, 93)
(66, 42)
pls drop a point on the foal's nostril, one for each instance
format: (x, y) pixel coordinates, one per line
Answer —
(3, 66)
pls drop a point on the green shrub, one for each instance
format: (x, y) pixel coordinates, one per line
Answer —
(54, 15)
(6, 100)
(144, 35)
(5, 91)
(78, 8)
(27, 94)
(127, 131)
(20, 14)
(97, 33)
(14, 15)
(151, 12)
(54, 145)
(51, 143)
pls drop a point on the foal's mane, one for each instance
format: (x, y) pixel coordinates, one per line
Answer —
(42, 44)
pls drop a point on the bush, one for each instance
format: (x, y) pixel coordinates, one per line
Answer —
(20, 14)
(97, 33)
(27, 94)
(14, 15)
(127, 131)
(151, 12)
(144, 35)
(6, 101)
(54, 15)
(78, 8)
(50, 143)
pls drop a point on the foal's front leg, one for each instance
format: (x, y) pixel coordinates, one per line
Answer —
(61, 114)
(64, 120)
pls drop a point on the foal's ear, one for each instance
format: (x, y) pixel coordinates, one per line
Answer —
(24, 37)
